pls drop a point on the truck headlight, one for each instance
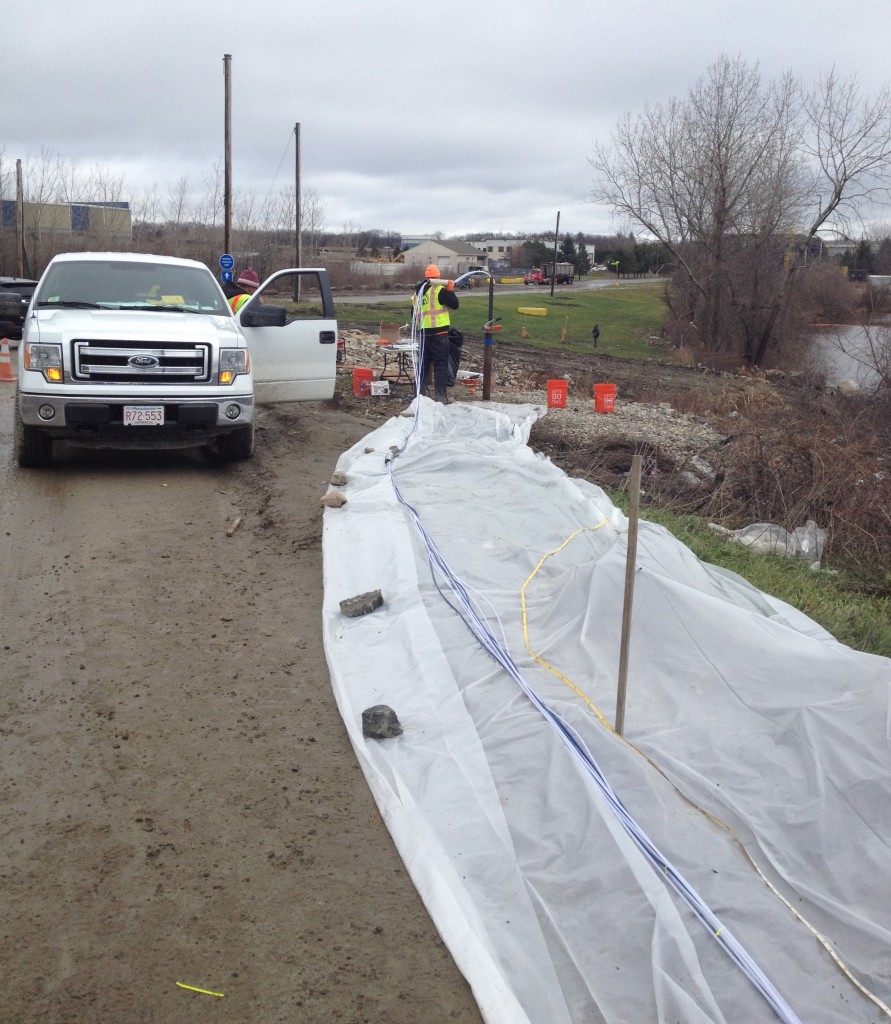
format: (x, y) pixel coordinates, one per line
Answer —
(232, 362)
(45, 358)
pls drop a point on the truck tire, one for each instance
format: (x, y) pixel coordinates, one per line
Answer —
(236, 445)
(33, 449)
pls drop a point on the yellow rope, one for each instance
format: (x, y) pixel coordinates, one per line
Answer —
(723, 824)
(203, 991)
(541, 661)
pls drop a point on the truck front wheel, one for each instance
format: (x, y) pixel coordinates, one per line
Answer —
(33, 449)
(236, 445)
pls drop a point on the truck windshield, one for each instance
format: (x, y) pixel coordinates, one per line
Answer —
(118, 284)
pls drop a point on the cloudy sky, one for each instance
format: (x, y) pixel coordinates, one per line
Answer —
(415, 117)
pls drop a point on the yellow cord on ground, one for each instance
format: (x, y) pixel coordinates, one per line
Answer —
(540, 660)
(723, 824)
(203, 991)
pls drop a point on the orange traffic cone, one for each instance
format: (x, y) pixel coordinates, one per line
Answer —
(6, 373)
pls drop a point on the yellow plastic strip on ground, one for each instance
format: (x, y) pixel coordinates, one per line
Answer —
(532, 310)
(203, 991)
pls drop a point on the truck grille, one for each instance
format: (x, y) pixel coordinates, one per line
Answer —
(104, 362)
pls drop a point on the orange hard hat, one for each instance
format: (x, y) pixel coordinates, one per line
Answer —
(431, 271)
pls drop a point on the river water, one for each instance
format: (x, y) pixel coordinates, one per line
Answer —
(853, 353)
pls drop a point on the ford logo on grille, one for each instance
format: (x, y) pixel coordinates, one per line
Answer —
(143, 362)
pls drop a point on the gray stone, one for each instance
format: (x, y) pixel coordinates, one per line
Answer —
(338, 478)
(361, 604)
(380, 723)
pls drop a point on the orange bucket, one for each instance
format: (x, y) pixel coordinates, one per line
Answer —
(604, 397)
(362, 381)
(557, 392)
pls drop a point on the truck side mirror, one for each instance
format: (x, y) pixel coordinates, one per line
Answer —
(263, 316)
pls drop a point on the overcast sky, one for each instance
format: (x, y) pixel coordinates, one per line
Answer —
(415, 117)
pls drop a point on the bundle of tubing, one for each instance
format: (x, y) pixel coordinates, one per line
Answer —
(468, 607)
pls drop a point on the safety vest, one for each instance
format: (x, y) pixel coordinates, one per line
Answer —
(237, 301)
(433, 315)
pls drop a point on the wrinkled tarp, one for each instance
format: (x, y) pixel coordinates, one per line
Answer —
(805, 542)
(738, 707)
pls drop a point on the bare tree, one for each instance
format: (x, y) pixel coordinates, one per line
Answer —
(210, 210)
(727, 179)
(312, 220)
(147, 206)
(7, 176)
(177, 214)
(170, 217)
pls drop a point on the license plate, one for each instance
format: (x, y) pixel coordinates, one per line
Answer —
(143, 415)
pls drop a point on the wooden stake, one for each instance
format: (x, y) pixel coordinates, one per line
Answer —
(630, 562)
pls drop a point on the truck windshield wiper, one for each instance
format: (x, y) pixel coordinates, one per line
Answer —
(163, 308)
(70, 304)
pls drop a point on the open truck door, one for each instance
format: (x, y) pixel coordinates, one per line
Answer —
(291, 332)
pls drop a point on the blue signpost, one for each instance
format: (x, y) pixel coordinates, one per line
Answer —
(226, 265)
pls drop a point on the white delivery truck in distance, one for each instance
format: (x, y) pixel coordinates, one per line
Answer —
(130, 350)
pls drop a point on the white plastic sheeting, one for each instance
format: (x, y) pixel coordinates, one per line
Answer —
(739, 708)
(805, 542)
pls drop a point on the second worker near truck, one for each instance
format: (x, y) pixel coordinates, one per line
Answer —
(432, 301)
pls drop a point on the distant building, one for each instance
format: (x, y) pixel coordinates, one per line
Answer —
(410, 241)
(503, 252)
(833, 243)
(111, 221)
(452, 258)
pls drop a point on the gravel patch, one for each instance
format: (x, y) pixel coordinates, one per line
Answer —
(687, 441)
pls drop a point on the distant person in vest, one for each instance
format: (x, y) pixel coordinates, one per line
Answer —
(432, 301)
(246, 285)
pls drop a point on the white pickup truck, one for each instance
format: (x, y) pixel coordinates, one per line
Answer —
(127, 350)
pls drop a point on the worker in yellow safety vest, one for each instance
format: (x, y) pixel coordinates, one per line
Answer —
(432, 301)
(247, 284)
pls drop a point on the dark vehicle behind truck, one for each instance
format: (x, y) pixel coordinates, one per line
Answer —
(15, 296)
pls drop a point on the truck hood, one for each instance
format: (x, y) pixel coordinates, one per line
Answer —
(55, 325)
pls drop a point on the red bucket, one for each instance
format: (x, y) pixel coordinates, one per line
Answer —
(604, 397)
(557, 392)
(362, 381)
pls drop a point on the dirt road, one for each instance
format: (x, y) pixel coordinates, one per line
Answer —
(180, 802)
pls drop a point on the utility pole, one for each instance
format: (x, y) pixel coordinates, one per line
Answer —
(227, 158)
(298, 227)
(298, 248)
(19, 220)
(554, 267)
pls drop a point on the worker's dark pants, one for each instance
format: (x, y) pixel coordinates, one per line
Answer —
(436, 354)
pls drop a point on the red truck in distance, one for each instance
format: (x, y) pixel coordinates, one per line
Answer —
(565, 274)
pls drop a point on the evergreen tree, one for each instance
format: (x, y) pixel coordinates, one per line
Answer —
(883, 257)
(863, 257)
(567, 251)
(583, 261)
(536, 253)
(628, 256)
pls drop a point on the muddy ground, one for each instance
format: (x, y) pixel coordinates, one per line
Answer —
(179, 798)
